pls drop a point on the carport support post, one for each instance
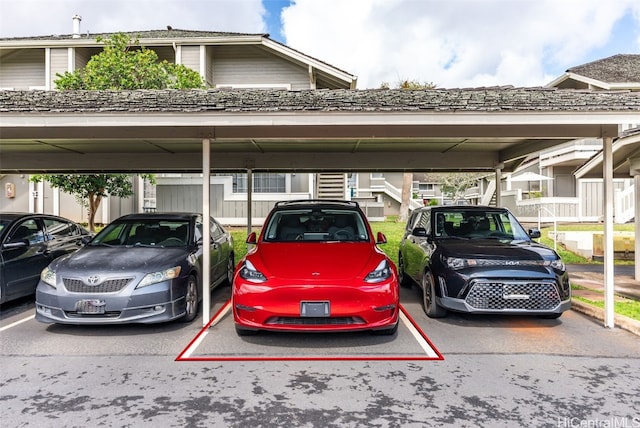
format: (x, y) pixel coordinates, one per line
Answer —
(206, 230)
(249, 194)
(499, 187)
(607, 167)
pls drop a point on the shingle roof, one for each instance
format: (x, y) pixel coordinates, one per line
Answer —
(143, 34)
(375, 100)
(614, 69)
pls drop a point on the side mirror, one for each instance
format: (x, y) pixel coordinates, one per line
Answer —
(419, 231)
(252, 238)
(381, 239)
(534, 233)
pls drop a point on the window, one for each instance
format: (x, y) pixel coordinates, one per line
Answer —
(263, 182)
(27, 231)
(59, 229)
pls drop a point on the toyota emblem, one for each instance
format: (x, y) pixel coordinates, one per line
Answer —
(93, 280)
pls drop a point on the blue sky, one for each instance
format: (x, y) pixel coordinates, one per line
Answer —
(452, 43)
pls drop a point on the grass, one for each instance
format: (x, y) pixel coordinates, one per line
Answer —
(394, 231)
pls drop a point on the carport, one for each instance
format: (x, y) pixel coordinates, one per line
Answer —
(455, 130)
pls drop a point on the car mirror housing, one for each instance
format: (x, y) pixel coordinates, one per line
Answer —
(252, 238)
(534, 233)
(381, 239)
(419, 231)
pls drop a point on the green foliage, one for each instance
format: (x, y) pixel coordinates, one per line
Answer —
(89, 189)
(627, 307)
(409, 84)
(123, 65)
(454, 186)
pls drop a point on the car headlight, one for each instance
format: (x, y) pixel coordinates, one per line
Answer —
(380, 273)
(48, 276)
(163, 275)
(250, 273)
(459, 263)
(557, 264)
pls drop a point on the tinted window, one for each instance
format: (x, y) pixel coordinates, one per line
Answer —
(59, 229)
(29, 231)
(316, 224)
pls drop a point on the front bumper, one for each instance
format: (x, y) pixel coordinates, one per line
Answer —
(153, 304)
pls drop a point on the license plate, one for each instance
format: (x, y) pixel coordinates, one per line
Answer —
(90, 306)
(314, 309)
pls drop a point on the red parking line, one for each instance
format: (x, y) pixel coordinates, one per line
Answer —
(203, 332)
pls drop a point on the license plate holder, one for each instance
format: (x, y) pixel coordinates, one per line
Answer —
(90, 306)
(314, 309)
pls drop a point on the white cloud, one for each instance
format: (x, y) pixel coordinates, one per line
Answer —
(46, 17)
(453, 43)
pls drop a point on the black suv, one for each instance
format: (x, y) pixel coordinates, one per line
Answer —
(481, 260)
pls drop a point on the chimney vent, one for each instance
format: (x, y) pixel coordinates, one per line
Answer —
(76, 26)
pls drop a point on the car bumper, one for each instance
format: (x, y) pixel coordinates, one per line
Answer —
(348, 309)
(152, 304)
(460, 305)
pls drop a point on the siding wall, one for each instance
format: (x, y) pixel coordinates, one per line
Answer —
(59, 64)
(191, 57)
(248, 65)
(23, 69)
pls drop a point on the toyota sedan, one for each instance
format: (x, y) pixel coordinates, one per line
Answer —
(141, 268)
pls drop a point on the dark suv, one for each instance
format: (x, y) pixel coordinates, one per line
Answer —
(481, 260)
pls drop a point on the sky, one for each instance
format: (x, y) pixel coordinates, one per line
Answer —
(450, 43)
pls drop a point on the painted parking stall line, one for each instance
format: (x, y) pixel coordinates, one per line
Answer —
(428, 351)
(13, 324)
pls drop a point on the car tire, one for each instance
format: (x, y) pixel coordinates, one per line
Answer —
(431, 307)
(191, 300)
(403, 279)
(241, 331)
(387, 331)
(231, 266)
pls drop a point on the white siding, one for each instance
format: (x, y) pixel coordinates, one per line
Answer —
(249, 65)
(59, 64)
(23, 69)
(191, 57)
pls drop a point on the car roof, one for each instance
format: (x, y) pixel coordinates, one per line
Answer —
(18, 215)
(462, 208)
(158, 216)
(316, 203)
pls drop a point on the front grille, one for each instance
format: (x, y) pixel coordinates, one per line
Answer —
(109, 314)
(109, 286)
(315, 321)
(538, 296)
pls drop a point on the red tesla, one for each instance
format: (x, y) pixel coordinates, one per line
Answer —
(316, 267)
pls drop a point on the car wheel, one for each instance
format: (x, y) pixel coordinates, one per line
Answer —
(231, 266)
(191, 300)
(403, 279)
(387, 331)
(431, 307)
(241, 331)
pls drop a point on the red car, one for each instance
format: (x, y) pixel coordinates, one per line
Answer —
(316, 267)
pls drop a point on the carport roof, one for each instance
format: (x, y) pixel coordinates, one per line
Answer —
(476, 129)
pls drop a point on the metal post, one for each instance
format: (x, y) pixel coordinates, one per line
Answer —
(206, 230)
(607, 167)
(249, 195)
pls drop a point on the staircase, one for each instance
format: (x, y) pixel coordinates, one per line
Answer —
(330, 185)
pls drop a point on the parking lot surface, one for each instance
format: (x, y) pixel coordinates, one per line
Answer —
(495, 371)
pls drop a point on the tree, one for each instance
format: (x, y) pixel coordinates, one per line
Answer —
(121, 65)
(454, 186)
(407, 178)
(90, 189)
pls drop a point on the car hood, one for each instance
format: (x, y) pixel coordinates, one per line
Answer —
(325, 260)
(495, 249)
(120, 259)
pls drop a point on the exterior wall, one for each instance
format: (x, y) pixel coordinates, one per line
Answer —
(59, 64)
(24, 69)
(20, 202)
(184, 193)
(190, 57)
(250, 65)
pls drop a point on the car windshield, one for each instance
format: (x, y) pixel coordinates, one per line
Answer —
(478, 224)
(316, 224)
(161, 233)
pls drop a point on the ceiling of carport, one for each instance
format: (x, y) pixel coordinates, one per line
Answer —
(384, 130)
